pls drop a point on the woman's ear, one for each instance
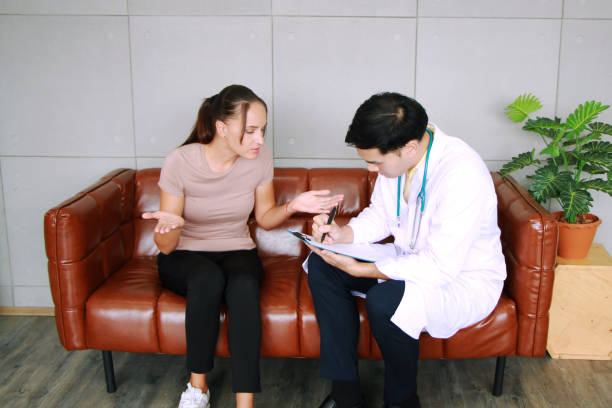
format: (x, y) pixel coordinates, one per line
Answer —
(221, 128)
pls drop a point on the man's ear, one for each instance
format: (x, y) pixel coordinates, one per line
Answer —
(411, 146)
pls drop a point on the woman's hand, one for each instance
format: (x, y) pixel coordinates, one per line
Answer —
(166, 221)
(315, 201)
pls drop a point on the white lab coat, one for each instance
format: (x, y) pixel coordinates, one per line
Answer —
(454, 275)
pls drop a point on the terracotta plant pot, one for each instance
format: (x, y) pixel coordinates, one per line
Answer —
(575, 239)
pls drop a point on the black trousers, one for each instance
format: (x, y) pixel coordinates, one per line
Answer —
(338, 320)
(206, 279)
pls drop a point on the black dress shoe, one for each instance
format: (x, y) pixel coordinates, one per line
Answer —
(329, 402)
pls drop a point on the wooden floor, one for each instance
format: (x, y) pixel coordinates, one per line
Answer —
(36, 371)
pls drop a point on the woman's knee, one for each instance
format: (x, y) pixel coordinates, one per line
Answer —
(243, 288)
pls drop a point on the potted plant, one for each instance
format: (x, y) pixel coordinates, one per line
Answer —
(576, 160)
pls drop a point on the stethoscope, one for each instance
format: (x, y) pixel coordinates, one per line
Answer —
(420, 200)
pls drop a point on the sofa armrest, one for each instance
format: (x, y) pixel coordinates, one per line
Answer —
(529, 236)
(87, 238)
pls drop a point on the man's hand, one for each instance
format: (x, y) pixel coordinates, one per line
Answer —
(320, 226)
(349, 265)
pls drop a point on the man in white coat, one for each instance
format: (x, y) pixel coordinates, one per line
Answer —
(435, 196)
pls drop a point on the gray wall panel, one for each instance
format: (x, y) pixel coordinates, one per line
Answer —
(587, 9)
(65, 84)
(199, 7)
(177, 62)
(106, 7)
(491, 8)
(468, 70)
(395, 8)
(324, 68)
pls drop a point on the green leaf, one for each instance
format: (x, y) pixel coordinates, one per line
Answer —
(547, 183)
(601, 127)
(571, 160)
(584, 114)
(541, 122)
(597, 184)
(518, 162)
(544, 126)
(598, 158)
(594, 169)
(585, 139)
(549, 133)
(575, 201)
(522, 106)
(601, 146)
(552, 149)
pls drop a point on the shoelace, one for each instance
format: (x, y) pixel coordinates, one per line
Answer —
(191, 399)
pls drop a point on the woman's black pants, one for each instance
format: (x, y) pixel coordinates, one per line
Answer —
(338, 320)
(206, 279)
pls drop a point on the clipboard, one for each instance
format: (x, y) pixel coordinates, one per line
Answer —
(360, 252)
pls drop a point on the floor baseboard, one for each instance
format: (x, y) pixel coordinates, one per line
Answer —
(26, 311)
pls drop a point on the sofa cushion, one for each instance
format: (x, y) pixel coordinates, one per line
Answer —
(495, 335)
(279, 305)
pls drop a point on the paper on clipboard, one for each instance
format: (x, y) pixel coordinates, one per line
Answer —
(361, 252)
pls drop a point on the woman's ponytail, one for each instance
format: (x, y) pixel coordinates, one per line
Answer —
(204, 129)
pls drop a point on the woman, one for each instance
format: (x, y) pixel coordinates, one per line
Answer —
(209, 187)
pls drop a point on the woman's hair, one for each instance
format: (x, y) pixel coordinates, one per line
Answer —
(387, 121)
(233, 100)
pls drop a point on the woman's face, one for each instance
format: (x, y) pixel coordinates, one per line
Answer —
(254, 131)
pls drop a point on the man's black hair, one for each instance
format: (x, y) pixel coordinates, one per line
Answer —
(387, 121)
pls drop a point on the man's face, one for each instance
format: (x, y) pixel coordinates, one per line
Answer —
(389, 165)
(394, 163)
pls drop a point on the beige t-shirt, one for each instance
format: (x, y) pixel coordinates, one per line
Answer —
(217, 205)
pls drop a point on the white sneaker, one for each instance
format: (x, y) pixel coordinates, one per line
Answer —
(194, 398)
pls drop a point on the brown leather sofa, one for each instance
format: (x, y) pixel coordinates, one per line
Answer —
(107, 294)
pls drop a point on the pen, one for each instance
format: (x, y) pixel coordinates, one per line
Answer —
(332, 214)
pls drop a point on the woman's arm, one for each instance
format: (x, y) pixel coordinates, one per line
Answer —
(169, 221)
(269, 215)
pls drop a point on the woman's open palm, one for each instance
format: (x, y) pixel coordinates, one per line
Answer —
(166, 221)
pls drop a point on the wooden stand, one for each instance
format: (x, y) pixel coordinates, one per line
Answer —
(581, 309)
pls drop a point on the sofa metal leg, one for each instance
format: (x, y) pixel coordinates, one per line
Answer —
(499, 376)
(109, 371)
